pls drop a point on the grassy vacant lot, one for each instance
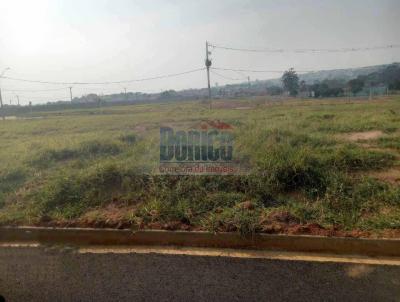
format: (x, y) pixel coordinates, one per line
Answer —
(328, 167)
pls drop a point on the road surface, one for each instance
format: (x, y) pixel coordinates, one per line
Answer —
(66, 274)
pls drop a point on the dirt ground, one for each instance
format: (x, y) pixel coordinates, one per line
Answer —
(359, 136)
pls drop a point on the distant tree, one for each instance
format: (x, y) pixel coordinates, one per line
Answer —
(168, 94)
(356, 85)
(395, 85)
(320, 89)
(389, 76)
(303, 86)
(274, 90)
(328, 88)
(290, 81)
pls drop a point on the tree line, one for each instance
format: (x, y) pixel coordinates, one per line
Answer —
(388, 77)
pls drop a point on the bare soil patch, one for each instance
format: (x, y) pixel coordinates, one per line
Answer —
(243, 108)
(391, 176)
(360, 136)
(140, 128)
(237, 104)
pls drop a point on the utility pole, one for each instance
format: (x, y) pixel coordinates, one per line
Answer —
(18, 99)
(70, 93)
(125, 95)
(208, 65)
(248, 82)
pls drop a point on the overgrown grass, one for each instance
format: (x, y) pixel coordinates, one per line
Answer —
(86, 150)
(63, 166)
(390, 142)
(9, 181)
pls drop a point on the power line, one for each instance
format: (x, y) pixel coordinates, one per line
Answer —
(34, 90)
(55, 89)
(260, 71)
(46, 98)
(226, 77)
(108, 82)
(282, 71)
(306, 50)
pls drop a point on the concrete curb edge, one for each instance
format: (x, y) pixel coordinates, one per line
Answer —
(292, 243)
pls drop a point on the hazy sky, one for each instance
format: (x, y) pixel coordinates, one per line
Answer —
(111, 40)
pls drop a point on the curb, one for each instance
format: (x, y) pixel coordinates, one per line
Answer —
(291, 243)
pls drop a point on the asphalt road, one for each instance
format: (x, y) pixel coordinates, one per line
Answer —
(39, 274)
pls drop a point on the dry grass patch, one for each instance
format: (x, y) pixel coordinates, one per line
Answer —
(362, 136)
(391, 176)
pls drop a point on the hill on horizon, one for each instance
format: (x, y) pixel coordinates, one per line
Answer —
(345, 74)
(313, 77)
